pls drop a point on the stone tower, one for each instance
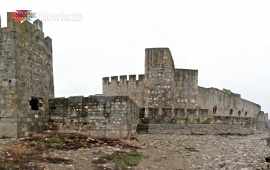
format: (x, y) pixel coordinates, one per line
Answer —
(166, 87)
(26, 78)
(159, 77)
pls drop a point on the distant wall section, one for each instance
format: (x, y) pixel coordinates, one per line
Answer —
(225, 103)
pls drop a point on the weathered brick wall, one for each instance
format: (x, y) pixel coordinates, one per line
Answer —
(26, 72)
(110, 116)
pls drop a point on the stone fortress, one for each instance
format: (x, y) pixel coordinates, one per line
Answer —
(164, 95)
(26, 78)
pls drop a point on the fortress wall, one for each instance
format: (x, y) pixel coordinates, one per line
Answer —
(261, 116)
(266, 117)
(8, 97)
(162, 86)
(186, 87)
(166, 86)
(226, 103)
(34, 63)
(159, 78)
(263, 122)
(34, 71)
(121, 86)
(26, 71)
(110, 116)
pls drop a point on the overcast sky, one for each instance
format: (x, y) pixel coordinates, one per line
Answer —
(228, 41)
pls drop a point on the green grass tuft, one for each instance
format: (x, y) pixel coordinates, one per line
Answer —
(9, 166)
(128, 159)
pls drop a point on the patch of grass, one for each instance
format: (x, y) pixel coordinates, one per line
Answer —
(128, 159)
(9, 166)
(20, 153)
(121, 159)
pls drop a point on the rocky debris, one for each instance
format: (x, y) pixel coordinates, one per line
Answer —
(168, 151)
(174, 151)
(51, 149)
(196, 129)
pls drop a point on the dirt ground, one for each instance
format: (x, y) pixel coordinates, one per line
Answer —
(159, 151)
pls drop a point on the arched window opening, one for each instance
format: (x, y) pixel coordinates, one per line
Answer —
(239, 113)
(214, 109)
(231, 112)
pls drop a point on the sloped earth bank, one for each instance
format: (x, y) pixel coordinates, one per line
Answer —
(63, 151)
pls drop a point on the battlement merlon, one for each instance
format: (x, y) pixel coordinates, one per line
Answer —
(48, 42)
(266, 117)
(38, 25)
(123, 79)
(132, 77)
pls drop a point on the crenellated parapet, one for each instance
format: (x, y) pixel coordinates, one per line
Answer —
(133, 86)
(122, 80)
(25, 32)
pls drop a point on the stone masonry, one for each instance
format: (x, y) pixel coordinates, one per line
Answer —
(109, 116)
(163, 95)
(163, 100)
(26, 78)
(169, 95)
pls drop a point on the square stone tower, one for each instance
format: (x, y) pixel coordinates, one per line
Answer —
(26, 78)
(165, 86)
